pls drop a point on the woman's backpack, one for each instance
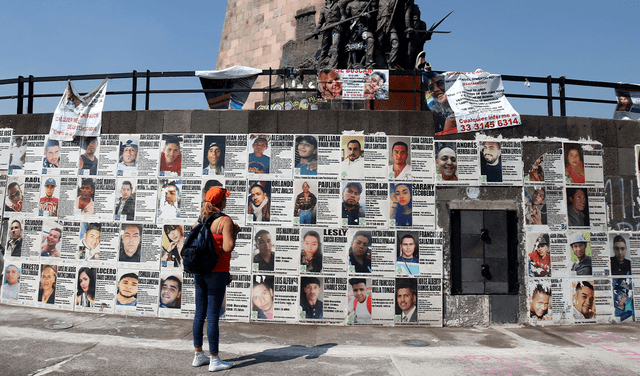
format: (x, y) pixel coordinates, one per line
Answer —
(199, 253)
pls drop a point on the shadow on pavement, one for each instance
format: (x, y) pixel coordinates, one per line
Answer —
(282, 354)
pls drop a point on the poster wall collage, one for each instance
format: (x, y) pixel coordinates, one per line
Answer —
(336, 229)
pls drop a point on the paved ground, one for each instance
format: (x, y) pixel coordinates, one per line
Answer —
(107, 345)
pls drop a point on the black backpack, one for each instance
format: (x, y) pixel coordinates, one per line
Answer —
(199, 253)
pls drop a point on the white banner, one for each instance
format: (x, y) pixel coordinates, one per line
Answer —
(78, 115)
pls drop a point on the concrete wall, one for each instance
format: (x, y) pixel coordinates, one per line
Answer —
(617, 136)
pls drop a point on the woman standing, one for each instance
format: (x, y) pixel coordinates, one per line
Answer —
(210, 287)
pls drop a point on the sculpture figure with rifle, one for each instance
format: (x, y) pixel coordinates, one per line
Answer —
(386, 34)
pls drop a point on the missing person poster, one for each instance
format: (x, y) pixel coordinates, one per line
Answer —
(172, 243)
(29, 291)
(238, 305)
(188, 296)
(65, 287)
(237, 202)
(96, 290)
(429, 251)
(281, 201)
(628, 107)
(331, 248)
(457, 162)
(330, 201)
(539, 255)
(51, 159)
(623, 251)
(311, 251)
(31, 239)
(270, 201)
(68, 159)
(377, 205)
(170, 299)
(412, 205)
(47, 286)
(603, 300)
(270, 156)
(333, 298)
(110, 157)
(352, 163)
(560, 256)
(377, 161)
(242, 255)
(17, 155)
(419, 163)
(103, 198)
(275, 298)
(561, 302)
(287, 253)
(131, 245)
(408, 253)
(68, 197)
(190, 200)
(580, 253)
(623, 297)
(30, 187)
(35, 158)
(147, 162)
(599, 242)
(359, 301)
(235, 155)
(192, 155)
(169, 201)
(383, 253)
(354, 84)
(146, 199)
(305, 204)
(171, 155)
(88, 160)
(583, 164)
(138, 292)
(544, 208)
(541, 302)
(10, 283)
(500, 162)
(586, 208)
(51, 243)
(99, 244)
(317, 157)
(429, 301)
(49, 194)
(543, 162)
(6, 146)
(383, 302)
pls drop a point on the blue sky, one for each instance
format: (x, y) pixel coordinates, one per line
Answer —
(589, 40)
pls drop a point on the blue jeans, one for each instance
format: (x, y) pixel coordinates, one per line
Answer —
(305, 217)
(210, 290)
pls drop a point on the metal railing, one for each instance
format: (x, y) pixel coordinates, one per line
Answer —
(30, 95)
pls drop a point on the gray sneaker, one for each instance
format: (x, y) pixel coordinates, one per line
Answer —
(200, 360)
(218, 365)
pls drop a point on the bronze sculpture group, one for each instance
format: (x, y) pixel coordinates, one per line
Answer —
(383, 34)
